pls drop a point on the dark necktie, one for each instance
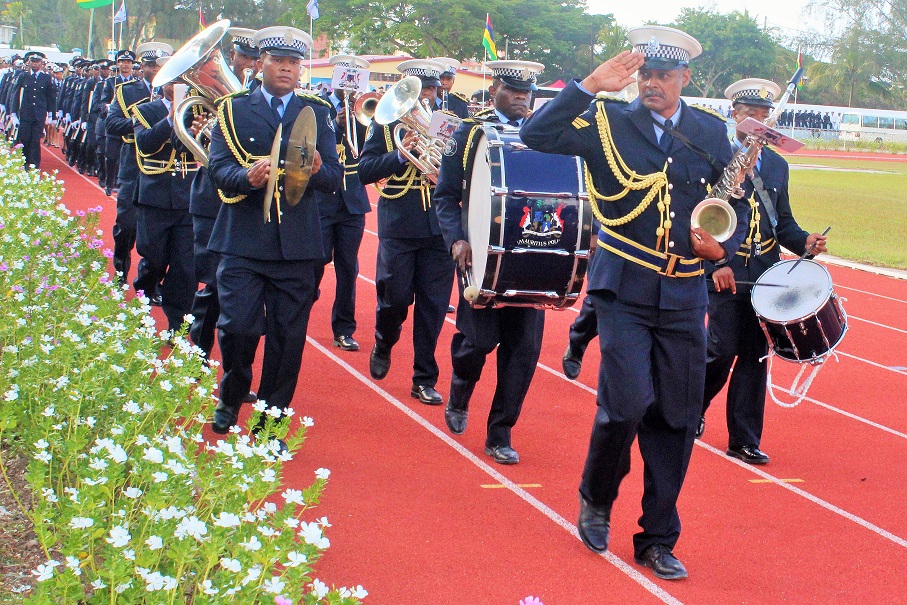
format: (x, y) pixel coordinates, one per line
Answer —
(665, 137)
(514, 123)
(276, 104)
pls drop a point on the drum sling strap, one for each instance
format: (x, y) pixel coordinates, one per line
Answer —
(766, 199)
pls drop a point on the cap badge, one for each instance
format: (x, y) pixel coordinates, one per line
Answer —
(288, 38)
(653, 45)
(763, 93)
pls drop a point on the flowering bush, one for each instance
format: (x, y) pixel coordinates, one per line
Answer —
(130, 504)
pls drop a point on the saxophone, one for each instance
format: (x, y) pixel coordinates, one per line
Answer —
(715, 215)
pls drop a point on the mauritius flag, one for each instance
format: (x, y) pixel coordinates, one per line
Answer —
(488, 39)
(86, 4)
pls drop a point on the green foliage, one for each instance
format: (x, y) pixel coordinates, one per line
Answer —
(130, 503)
(733, 47)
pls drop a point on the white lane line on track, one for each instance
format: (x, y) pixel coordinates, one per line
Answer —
(902, 331)
(873, 363)
(537, 504)
(871, 293)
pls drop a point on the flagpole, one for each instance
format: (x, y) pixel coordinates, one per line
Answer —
(312, 49)
(113, 26)
(90, 30)
(485, 60)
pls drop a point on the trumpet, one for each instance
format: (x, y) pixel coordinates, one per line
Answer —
(401, 102)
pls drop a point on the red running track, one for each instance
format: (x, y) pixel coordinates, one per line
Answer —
(421, 517)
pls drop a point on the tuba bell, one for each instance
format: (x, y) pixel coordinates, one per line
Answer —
(401, 102)
(200, 64)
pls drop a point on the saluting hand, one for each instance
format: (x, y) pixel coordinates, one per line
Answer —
(259, 172)
(615, 73)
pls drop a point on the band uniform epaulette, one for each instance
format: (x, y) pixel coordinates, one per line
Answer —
(232, 95)
(460, 96)
(472, 120)
(603, 96)
(710, 112)
(314, 98)
(484, 113)
(580, 123)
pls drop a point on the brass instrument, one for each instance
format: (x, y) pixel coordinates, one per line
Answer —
(714, 214)
(352, 134)
(200, 64)
(401, 102)
(247, 77)
(364, 108)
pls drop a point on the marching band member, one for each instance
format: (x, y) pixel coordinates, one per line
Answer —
(266, 278)
(119, 123)
(645, 174)
(456, 103)
(163, 224)
(343, 215)
(413, 262)
(32, 106)
(734, 330)
(516, 332)
(114, 143)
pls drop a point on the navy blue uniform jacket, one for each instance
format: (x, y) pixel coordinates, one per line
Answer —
(158, 146)
(34, 96)
(567, 125)
(250, 123)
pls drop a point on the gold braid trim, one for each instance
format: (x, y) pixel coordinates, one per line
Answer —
(245, 159)
(409, 176)
(657, 182)
(472, 133)
(139, 155)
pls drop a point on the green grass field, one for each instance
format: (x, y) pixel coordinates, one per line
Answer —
(867, 212)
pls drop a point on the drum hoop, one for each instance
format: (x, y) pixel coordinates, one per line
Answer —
(813, 313)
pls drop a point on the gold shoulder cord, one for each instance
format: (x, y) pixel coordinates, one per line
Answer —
(245, 159)
(409, 176)
(139, 156)
(631, 181)
(472, 133)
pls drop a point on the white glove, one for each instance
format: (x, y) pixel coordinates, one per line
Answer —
(49, 119)
(68, 118)
(59, 114)
(14, 119)
(84, 126)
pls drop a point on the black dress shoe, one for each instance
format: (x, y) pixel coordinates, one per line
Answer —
(346, 343)
(572, 363)
(107, 191)
(456, 420)
(594, 526)
(701, 429)
(426, 394)
(156, 300)
(502, 454)
(750, 454)
(451, 309)
(662, 562)
(224, 418)
(250, 398)
(380, 362)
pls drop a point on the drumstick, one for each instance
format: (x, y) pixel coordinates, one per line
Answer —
(470, 292)
(753, 283)
(808, 250)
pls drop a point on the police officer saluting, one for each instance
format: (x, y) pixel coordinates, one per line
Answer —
(734, 331)
(266, 279)
(648, 166)
(413, 261)
(32, 106)
(515, 331)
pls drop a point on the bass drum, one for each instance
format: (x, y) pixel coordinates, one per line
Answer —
(527, 217)
(803, 321)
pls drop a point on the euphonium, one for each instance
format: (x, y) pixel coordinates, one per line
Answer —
(715, 215)
(401, 102)
(201, 65)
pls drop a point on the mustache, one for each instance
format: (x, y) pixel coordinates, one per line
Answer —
(653, 93)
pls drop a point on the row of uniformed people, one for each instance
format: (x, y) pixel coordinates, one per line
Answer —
(28, 95)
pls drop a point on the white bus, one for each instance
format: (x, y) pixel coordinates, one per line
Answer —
(873, 125)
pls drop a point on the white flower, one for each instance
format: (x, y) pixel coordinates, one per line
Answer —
(208, 588)
(188, 318)
(295, 559)
(166, 385)
(121, 588)
(119, 536)
(118, 454)
(154, 543)
(45, 571)
(359, 592)
(311, 533)
(319, 588)
(273, 585)
(73, 564)
(159, 477)
(129, 554)
(12, 395)
(81, 522)
(41, 444)
(293, 496)
(98, 464)
(322, 473)
(289, 412)
(307, 422)
(324, 522)
(231, 565)
(154, 581)
(268, 532)
(268, 475)
(252, 575)
(43, 456)
(273, 412)
(252, 545)
(292, 522)
(260, 406)
(132, 407)
(227, 520)
(132, 492)
(49, 495)
(152, 454)
(191, 526)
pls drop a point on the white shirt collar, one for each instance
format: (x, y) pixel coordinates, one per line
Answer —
(286, 98)
(504, 119)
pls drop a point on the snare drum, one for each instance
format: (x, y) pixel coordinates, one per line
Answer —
(528, 221)
(804, 321)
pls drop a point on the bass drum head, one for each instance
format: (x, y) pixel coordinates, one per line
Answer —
(808, 288)
(478, 222)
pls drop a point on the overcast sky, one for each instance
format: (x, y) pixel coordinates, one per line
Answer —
(780, 13)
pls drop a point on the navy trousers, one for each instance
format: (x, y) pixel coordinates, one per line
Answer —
(205, 307)
(342, 235)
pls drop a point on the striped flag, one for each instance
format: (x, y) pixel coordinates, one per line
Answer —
(87, 4)
(799, 65)
(488, 39)
(201, 19)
